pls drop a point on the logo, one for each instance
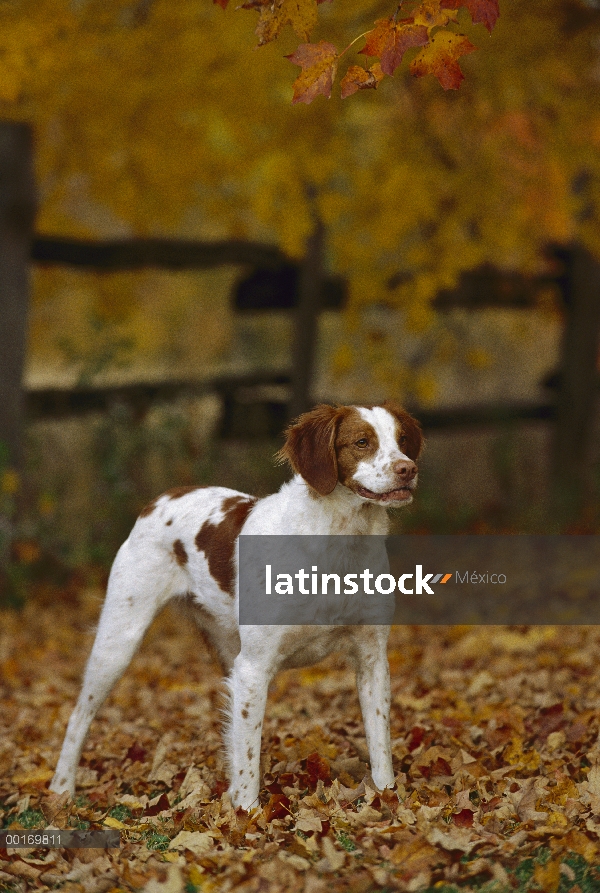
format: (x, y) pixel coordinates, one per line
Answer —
(421, 581)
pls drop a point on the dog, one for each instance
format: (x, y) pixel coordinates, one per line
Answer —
(350, 464)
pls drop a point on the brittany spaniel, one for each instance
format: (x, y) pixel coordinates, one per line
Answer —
(351, 463)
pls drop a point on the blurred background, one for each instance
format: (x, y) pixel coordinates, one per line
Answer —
(187, 261)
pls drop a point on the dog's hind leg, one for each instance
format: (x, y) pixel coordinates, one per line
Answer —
(140, 583)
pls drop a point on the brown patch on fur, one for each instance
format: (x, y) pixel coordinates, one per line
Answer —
(174, 493)
(245, 714)
(148, 509)
(407, 427)
(178, 492)
(217, 541)
(169, 522)
(181, 556)
(310, 447)
(353, 428)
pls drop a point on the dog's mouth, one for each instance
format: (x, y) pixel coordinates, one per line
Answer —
(402, 494)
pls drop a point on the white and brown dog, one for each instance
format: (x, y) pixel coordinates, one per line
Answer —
(351, 463)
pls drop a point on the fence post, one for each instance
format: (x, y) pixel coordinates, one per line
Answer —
(578, 389)
(17, 214)
(307, 320)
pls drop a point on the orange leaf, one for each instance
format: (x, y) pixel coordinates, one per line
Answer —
(357, 78)
(440, 58)
(319, 65)
(389, 40)
(484, 12)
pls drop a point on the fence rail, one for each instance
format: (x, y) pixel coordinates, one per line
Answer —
(239, 392)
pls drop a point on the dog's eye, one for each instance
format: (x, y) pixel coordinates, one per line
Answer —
(362, 443)
(402, 439)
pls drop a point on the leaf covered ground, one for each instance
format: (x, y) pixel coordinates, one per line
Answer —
(495, 741)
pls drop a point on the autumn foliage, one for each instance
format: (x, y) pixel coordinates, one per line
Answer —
(427, 26)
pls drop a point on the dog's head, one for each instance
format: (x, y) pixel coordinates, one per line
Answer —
(370, 450)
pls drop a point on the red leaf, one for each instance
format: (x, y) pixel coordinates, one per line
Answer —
(357, 78)
(439, 767)
(277, 807)
(415, 737)
(491, 804)
(484, 12)
(162, 803)
(136, 753)
(222, 3)
(389, 40)
(317, 768)
(463, 819)
(319, 65)
(440, 58)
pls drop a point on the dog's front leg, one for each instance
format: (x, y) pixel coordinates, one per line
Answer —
(373, 683)
(248, 687)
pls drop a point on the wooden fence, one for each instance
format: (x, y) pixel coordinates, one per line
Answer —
(577, 276)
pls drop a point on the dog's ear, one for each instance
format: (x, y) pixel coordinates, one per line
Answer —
(410, 428)
(310, 447)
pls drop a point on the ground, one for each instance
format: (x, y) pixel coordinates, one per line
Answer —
(494, 734)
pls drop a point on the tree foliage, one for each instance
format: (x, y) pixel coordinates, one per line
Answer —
(160, 118)
(425, 26)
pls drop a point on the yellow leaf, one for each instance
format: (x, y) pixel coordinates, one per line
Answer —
(111, 822)
(37, 775)
(197, 875)
(514, 755)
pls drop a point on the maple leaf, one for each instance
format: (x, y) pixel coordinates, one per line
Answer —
(358, 78)
(300, 14)
(484, 12)
(432, 14)
(390, 39)
(319, 65)
(440, 58)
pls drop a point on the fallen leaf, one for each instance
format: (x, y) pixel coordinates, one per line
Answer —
(335, 856)
(463, 819)
(197, 842)
(453, 839)
(110, 822)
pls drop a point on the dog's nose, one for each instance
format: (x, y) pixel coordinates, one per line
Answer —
(406, 470)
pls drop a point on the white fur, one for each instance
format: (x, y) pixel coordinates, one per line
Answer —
(145, 575)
